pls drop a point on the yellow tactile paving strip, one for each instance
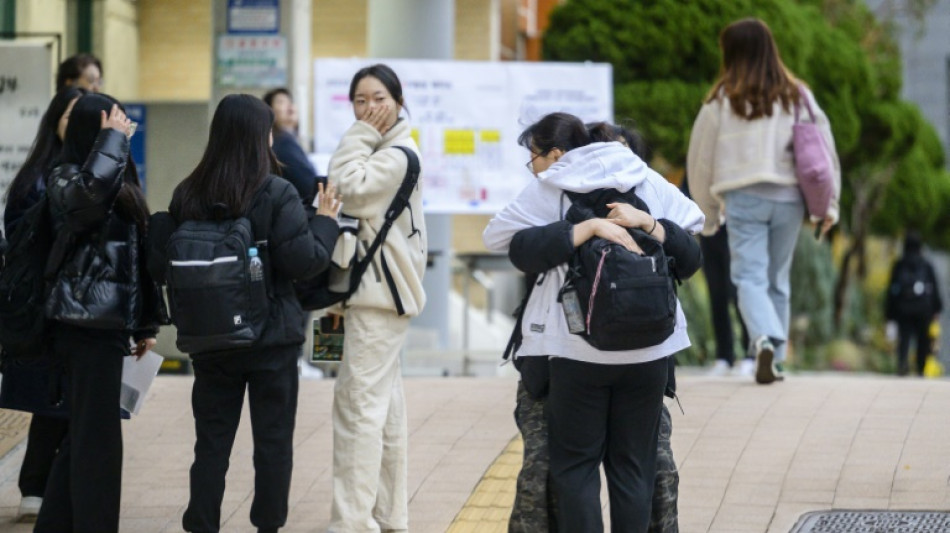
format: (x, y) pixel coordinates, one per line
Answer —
(488, 508)
(14, 426)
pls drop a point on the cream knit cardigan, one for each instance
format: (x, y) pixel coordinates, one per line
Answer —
(728, 152)
(368, 176)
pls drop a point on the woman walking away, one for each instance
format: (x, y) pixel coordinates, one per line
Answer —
(101, 298)
(603, 406)
(235, 179)
(369, 410)
(25, 384)
(740, 165)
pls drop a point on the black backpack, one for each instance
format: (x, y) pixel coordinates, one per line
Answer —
(626, 301)
(216, 300)
(23, 284)
(325, 289)
(914, 291)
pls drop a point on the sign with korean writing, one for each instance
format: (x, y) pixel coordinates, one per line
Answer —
(26, 82)
(253, 16)
(255, 61)
(466, 117)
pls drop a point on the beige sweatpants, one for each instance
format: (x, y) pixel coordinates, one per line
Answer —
(369, 426)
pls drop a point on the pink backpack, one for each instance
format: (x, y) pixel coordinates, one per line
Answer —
(814, 164)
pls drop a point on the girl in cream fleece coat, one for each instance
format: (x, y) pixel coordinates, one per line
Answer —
(741, 168)
(369, 411)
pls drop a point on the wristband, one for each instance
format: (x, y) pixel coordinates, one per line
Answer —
(653, 228)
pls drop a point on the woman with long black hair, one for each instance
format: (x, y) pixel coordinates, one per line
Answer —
(25, 384)
(101, 297)
(236, 178)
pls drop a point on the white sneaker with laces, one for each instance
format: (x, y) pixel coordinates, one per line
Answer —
(720, 368)
(764, 357)
(746, 368)
(29, 509)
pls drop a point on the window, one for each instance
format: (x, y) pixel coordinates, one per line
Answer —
(7, 16)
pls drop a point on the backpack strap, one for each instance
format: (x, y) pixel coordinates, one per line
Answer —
(399, 204)
(514, 341)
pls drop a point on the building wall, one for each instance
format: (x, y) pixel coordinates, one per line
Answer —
(174, 50)
(477, 29)
(115, 40)
(339, 28)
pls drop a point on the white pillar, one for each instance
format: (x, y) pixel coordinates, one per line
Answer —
(422, 29)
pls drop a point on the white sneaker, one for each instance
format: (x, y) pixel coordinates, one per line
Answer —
(746, 368)
(720, 368)
(29, 509)
(764, 357)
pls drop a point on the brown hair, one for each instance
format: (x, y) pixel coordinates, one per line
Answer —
(752, 75)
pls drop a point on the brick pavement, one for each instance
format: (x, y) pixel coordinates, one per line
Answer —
(752, 459)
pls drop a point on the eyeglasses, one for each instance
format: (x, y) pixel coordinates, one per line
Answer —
(530, 163)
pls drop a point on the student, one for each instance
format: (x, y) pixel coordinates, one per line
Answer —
(234, 178)
(296, 168)
(913, 302)
(369, 409)
(100, 299)
(534, 507)
(25, 383)
(740, 157)
(594, 395)
(81, 70)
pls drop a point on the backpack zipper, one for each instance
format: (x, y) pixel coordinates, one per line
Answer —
(593, 293)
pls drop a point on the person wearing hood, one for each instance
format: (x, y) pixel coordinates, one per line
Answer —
(593, 395)
(912, 303)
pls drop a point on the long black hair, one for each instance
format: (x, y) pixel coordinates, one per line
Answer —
(555, 130)
(46, 147)
(235, 164)
(85, 122)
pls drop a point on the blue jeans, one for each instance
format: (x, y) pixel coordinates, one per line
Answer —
(762, 237)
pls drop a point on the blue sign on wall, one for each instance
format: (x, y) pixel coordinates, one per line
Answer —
(136, 113)
(253, 16)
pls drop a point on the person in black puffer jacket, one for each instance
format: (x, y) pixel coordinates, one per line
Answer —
(238, 162)
(101, 296)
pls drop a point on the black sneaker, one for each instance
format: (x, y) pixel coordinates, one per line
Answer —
(764, 355)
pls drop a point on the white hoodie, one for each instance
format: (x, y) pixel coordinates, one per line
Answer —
(542, 202)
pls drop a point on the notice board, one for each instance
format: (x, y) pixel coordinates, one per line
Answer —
(26, 82)
(466, 117)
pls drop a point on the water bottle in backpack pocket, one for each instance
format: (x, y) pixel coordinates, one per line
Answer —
(217, 291)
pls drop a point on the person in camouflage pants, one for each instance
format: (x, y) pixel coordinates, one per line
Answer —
(534, 508)
(535, 502)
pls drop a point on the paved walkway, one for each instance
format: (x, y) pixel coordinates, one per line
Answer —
(752, 459)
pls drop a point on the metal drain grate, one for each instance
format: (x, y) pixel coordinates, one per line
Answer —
(873, 522)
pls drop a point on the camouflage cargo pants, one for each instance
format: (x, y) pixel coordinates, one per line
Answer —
(666, 488)
(535, 506)
(535, 503)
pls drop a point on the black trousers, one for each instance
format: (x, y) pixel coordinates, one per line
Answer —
(721, 293)
(46, 435)
(918, 331)
(84, 487)
(606, 414)
(271, 380)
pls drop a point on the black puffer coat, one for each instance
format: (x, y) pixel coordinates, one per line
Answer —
(299, 246)
(97, 263)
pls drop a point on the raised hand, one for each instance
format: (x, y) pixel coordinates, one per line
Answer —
(329, 201)
(116, 120)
